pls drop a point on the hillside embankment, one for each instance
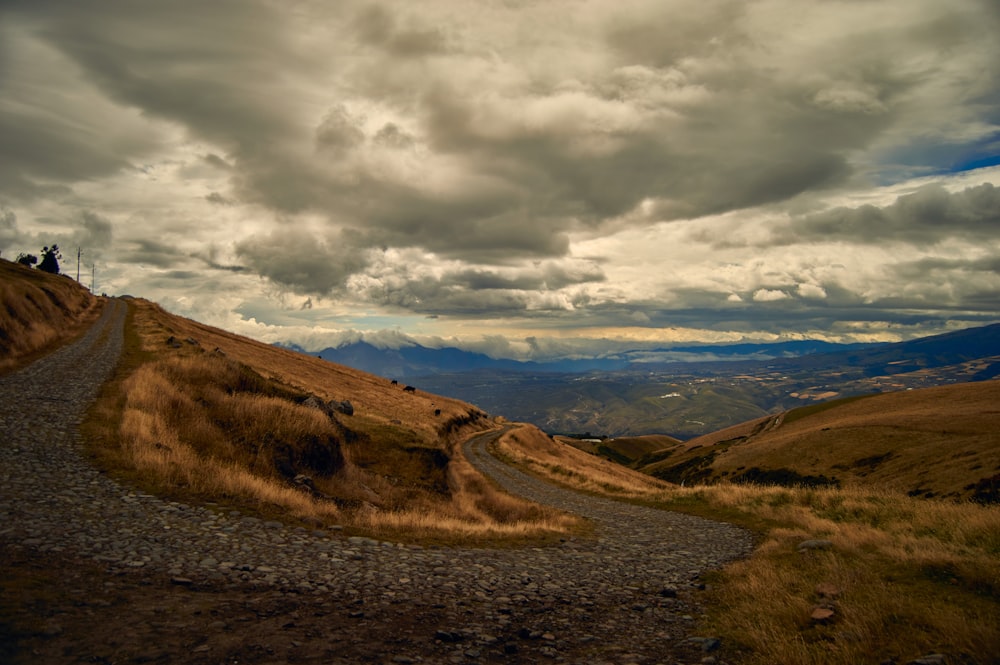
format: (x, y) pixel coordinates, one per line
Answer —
(200, 414)
(39, 312)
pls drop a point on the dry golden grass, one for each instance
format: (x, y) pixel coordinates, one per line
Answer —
(39, 312)
(935, 441)
(562, 463)
(627, 450)
(914, 575)
(203, 415)
(372, 396)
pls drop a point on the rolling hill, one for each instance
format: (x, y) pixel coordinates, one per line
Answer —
(625, 450)
(942, 441)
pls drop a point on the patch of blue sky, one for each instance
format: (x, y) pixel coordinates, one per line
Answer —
(982, 154)
(922, 159)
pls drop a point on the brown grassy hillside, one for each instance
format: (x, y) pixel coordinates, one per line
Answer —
(942, 441)
(557, 460)
(902, 576)
(202, 414)
(38, 312)
(627, 450)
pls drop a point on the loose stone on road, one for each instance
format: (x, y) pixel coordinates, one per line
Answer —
(212, 585)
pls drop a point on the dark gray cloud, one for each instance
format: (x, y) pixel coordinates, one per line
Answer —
(210, 257)
(392, 136)
(552, 277)
(750, 138)
(206, 74)
(522, 290)
(929, 215)
(8, 231)
(40, 154)
(663, 38)
(151, 252)
(338, 131)
(301, 260)
(95, 233)
(87, 230)
(378, 26)
(218, 199)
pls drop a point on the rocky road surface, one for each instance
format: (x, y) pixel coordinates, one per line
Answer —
(98, 572)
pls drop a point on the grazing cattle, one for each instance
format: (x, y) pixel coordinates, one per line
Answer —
(437, 412)
(409, 389)
(394, 383)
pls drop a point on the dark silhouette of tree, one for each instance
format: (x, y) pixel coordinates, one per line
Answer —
(50, 259)
(26, 259)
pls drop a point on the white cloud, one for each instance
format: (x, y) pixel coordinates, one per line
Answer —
(640, 167)
(769, 295)
(813, 291)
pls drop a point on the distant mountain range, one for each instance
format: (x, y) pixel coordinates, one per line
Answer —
(682, 391)
(416, 360)
(685, 391)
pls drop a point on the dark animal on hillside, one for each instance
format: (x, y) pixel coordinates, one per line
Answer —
(394, 383)
(409, 389)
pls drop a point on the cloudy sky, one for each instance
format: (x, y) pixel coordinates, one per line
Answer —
(522, 177)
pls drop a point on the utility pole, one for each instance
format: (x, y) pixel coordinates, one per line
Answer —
(79, 251)
(93, 277)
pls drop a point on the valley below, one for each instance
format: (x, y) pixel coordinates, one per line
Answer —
(684, 400)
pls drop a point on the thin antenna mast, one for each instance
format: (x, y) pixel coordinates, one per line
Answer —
(79, 252)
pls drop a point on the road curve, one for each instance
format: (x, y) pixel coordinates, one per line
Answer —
(656, 541)
(583, 600)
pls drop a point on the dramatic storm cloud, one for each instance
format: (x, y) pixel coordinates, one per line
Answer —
(527, 179)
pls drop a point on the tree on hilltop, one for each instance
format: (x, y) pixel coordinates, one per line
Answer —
(26, 260)
(50, 259)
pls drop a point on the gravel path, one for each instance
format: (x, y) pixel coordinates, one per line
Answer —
(626, 596)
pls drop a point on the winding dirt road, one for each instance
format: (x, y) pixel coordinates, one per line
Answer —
(98, 572)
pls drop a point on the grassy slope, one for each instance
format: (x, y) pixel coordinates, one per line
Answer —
(568, 465)
(939, 441)
(374, 398)
(38, 312)
(904, 576)
(204, 415)
(627, 450)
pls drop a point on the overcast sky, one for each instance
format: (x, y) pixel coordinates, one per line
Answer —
(521, 177)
